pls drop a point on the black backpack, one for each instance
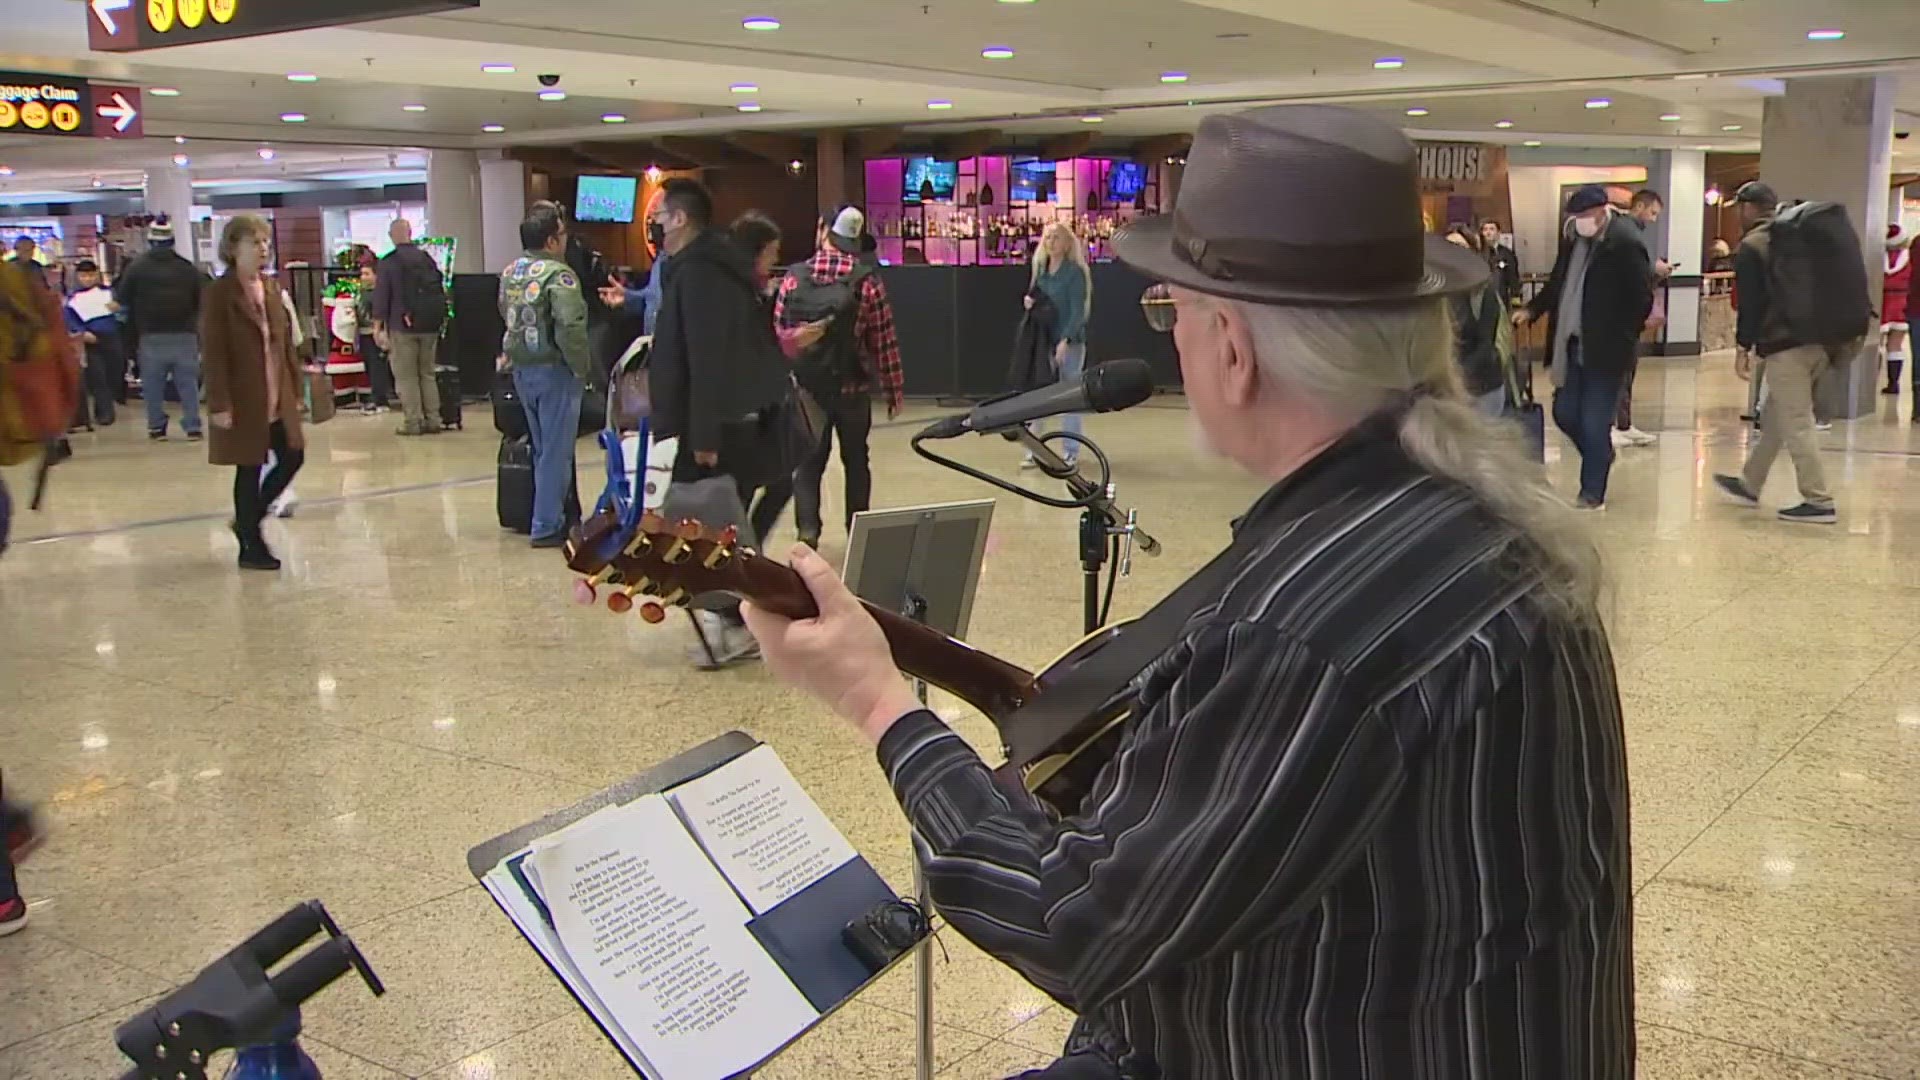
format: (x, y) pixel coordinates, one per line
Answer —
(423, 294)
(834, 360)
(1816, 275)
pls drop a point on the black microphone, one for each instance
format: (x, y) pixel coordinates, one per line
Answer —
(1109, 387)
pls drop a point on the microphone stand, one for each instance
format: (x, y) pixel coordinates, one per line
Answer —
(1108, 535)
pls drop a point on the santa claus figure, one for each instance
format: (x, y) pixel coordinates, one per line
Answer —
(1893, 309)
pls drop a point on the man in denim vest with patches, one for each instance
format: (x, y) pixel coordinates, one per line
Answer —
(547, 348)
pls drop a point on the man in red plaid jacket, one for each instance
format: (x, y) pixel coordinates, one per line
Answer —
(846, 398)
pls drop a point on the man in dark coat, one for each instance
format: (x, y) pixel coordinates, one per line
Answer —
(1596, 301)
(718, 376)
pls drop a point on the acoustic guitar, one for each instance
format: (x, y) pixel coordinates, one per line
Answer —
(665, 564)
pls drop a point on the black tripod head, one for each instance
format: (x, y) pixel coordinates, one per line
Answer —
(236, 1002)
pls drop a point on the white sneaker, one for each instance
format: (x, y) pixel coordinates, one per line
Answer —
(1823, 425)
(1636, 437)
(1620, 439)
(721, 642)
(1027, 463)
(285, 505)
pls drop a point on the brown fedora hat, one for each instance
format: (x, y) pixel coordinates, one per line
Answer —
(1300, 205)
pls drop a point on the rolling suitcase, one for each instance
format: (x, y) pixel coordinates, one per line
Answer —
(448, 381)
(513, 486)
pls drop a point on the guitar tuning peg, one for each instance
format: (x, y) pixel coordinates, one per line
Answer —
(728, 536)
(584, 593)
(676, 597)
(689, 529)
(620, 602)
(652, 612)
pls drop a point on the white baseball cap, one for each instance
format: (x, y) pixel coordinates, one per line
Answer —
(846, 229)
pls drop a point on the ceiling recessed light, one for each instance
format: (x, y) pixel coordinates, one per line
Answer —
(553, 95)
(163, 91)
(265, 152)
(1093, 119)
(293, 118)
(493, 129)
(1503, 124)
(744, 88)
(181, 160)
(1669, 118)
(180, 140)
(938, 105)
(1531, 142)
(748, 106)
(97, 182)
(415, 107)
(1598, 103)
(1389, 63)
(1825, 35)
(760, 22)
(1416, 111)
(1690, 77)
(497, 69)
(997, 52)
(1173, 76)
(6, 170)
(612, 118)
(1729, 127)
(302, 76)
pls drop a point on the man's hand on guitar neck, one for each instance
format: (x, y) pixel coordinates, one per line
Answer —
(839, 656)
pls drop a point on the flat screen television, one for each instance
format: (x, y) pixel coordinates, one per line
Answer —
(1125, 181)
(1033, 181)
(605, 198)
(922, 171)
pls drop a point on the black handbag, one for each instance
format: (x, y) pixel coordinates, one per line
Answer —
(509, 414)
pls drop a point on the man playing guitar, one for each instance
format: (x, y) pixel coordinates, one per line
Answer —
(1368, 818)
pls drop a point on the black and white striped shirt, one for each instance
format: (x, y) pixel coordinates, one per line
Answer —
(1369, 820)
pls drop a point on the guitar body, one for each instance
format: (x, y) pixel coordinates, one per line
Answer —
(1062, 777)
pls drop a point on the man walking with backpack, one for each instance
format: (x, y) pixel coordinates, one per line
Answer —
(160, 295)
(409, 308)
(1802, 283)
(857, 353)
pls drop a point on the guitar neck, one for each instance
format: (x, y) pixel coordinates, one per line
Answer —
(983, 680)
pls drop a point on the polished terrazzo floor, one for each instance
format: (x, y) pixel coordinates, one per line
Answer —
(211, 747)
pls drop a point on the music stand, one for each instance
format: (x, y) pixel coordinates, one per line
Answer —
(924, 562)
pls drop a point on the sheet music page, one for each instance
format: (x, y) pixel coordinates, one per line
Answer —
(663, 942)
(91, 304)
(761, 828)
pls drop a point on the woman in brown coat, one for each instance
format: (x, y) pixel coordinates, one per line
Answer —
(253, 384)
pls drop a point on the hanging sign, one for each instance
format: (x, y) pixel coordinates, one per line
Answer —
(1450, 168)
(133, 25)
(62, 105)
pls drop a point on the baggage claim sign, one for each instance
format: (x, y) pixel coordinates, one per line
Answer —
(133, 25)
(63, 105)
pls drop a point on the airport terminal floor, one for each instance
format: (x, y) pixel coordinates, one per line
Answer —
(209, 746)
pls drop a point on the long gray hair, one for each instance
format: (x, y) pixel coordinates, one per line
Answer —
(1359, 361)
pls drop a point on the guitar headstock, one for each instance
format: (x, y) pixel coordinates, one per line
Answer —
(665, 562)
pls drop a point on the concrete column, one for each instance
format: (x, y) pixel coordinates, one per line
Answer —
(1680, 176)
(503, 203)
(169, 191)
(830, 169)
(453, 206)
(1830, 138)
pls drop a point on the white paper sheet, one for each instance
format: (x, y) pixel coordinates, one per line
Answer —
(761, 829)
(91, 304)
(662, 940)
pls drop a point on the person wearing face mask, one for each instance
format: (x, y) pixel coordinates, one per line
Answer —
(252, 382)
(643, 302)
(1595, 302)
(718, 378)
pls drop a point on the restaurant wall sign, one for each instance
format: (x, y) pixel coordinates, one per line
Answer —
(1454, 168)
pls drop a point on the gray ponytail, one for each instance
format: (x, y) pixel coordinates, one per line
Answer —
(1361, 361)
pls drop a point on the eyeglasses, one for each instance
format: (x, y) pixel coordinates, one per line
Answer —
(1156, 306)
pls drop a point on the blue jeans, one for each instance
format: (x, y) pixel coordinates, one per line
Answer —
(1584, 408)
(551, 395)
(1069, 371)
(177, 355)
